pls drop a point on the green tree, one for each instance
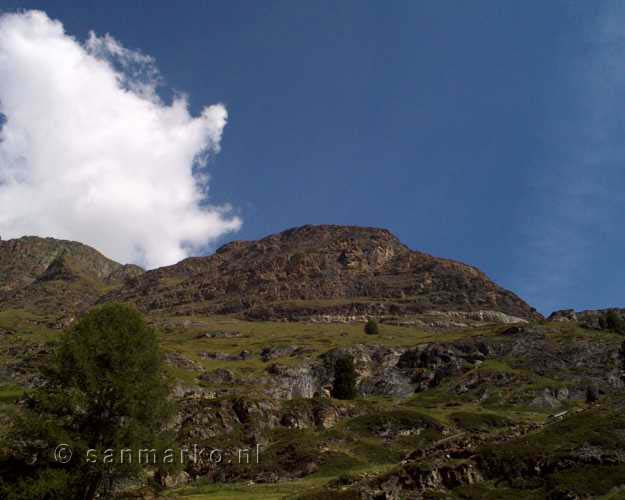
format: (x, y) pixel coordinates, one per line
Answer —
(621, 359)
(371, 327)
(615, 322)
(592, 394)
(104, 390)
(344, 386)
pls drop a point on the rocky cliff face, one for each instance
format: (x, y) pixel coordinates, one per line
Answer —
(312, 271)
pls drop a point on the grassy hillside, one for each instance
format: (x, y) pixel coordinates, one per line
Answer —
(481, 400)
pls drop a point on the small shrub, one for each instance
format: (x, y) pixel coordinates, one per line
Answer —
(371, 327)
(344, 386)
(592, 394)
(615, 322)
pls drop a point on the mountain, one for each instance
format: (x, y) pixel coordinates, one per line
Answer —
(46, 275)
(529, 410)
(314, 272)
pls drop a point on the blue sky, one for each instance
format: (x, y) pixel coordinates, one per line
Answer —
(488, 132)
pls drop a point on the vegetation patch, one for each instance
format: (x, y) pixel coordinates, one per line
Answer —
(558, 443)
(586, 481)
(479, 422)
(9, 394)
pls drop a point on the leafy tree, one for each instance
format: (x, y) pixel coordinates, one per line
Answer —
(371, 327)
(621, 359)
(344, 386)
(104, 389)
(592, 394)
(615, 322)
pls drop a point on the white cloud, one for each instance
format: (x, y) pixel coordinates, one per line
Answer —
(89, 151)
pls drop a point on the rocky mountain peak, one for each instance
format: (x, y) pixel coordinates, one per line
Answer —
(351, 247)
(311, 270)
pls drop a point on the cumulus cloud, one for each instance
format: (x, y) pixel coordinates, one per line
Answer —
(90, 152)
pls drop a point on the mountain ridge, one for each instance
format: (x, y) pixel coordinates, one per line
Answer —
(339, 270)
(56, 277)
(304, 272)
(24, 259)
